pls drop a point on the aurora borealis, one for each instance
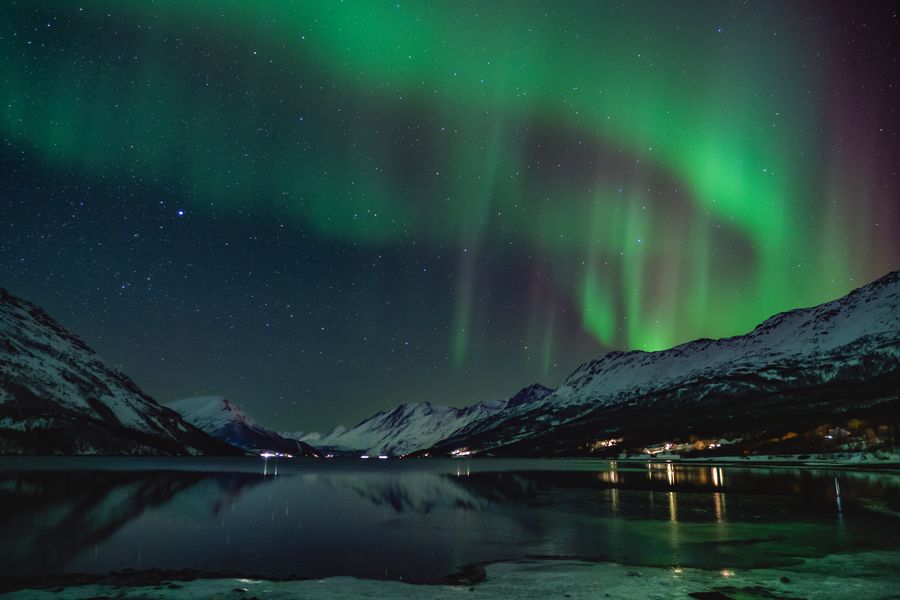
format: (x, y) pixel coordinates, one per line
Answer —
(322, 209)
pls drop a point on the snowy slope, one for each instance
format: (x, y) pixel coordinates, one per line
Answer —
(827, 359)
(411, 427)
(226, 421)
(868, 317)
(58, 397)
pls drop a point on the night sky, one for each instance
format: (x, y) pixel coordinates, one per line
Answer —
(324, 209)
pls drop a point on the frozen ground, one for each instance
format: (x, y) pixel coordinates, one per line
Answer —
(862, 576)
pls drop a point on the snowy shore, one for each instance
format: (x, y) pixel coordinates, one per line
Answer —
(846, 460)
(862, 576)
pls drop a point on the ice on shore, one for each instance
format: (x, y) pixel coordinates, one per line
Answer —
(862, 576)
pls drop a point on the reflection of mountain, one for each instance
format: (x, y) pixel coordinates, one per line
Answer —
(420, 521)
(58, 514)
(424, 492)
(419, 493)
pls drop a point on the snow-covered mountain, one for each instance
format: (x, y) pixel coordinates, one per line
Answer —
(58, 397)
(411, 427)
(838, 358)
(867, 321)
(226, 421)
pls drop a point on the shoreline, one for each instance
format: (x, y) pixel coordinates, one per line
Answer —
(817, 461)
(831, 576)
(811, 461)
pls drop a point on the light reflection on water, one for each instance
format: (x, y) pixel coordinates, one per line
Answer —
(424, 520)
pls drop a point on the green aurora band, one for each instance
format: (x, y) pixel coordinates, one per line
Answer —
(673, 181)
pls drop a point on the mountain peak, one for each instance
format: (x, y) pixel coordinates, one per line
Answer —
(210, 408)
(58, 397)
(528, 394)
(836, 356)
(227, 421)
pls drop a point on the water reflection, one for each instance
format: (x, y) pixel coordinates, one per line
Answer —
(423, 520)
(673, 507)
(53, 516)
(719, 503)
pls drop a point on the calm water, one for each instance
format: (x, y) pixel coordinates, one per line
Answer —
(424, 520)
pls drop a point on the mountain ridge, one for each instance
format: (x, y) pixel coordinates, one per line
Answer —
(57, 396)
(226, 421)
(800, 367)
(787, 360)
(851, 341)
(412, 426)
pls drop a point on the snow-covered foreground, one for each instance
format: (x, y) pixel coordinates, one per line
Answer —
(863, 576)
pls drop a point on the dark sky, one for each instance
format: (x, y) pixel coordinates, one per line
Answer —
(324, 209)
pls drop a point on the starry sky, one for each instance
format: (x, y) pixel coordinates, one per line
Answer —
(321, 209)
